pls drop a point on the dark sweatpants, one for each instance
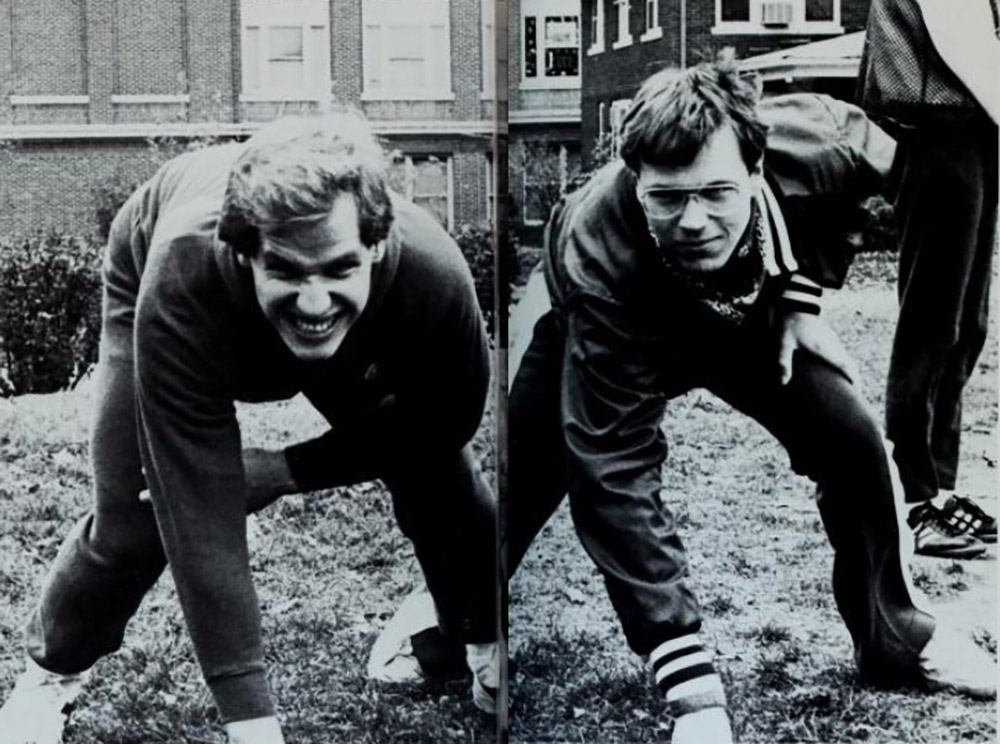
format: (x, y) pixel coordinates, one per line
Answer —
(947, 212)
(829, 435)
(113, 555)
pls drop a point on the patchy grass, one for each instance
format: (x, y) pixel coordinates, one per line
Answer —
(760, 564)
(330, 568)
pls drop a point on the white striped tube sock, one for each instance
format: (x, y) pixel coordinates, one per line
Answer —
(684, 672)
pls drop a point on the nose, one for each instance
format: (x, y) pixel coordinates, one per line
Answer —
(694, 217)
(313, 299)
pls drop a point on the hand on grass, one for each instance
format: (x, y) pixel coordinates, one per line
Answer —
(255, 731)
(708, 726)
(812, 334)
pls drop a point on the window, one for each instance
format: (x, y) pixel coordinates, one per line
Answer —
(551, 43)
(547, 170)
(488, 50)
(777, 17)
(653, 28)
(624, 37)
(407, 49)
(285, 48)
(426, 181)
(597, 28)
(618, 110)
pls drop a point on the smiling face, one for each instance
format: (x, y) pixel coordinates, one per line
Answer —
(698, 212)
(313, 279)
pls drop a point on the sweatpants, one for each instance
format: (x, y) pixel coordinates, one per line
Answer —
(114, 555)
(829, 435)
(946, 208)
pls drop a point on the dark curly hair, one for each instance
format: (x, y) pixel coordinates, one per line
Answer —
(294, 169)
(676, 111)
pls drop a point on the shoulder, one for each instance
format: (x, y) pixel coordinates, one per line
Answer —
(424, 247)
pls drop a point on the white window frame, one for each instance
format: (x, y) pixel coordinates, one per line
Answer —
(798, 24)
(540, 9)
(265, 15)
(378, 13)
(651, 14)
(490, 211)
(624, 10)
(597, 29)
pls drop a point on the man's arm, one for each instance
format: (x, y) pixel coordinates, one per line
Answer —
(191, 453)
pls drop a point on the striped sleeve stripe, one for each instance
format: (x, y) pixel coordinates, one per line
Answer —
(686, 674)
(810, 308)
(702, 685)
(799, 283)
(783, 248)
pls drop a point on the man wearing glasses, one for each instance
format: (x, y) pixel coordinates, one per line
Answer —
(698, 260)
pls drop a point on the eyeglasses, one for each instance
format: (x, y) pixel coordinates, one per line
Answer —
(718, 201)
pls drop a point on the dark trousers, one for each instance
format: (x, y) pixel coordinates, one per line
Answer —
(113, 555)
(829, 435)
(947, 211)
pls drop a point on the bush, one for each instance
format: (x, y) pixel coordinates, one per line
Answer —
(476, 244)
(50, 312)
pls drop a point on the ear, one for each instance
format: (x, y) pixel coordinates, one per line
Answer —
(243, 260)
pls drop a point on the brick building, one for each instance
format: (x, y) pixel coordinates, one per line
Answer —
(544, 75)
(97, 91)
(627, 40)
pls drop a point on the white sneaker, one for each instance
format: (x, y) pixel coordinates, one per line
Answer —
(36, 711)
(392, 658)
(951, 662)
(484, 661)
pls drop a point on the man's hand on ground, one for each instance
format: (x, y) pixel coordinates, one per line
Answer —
(812, 334)
(255, 731)
(268, 477)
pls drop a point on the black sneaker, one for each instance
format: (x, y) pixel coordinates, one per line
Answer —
(934, 535)
(966, 516)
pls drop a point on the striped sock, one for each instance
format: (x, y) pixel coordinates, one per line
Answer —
(684, 672)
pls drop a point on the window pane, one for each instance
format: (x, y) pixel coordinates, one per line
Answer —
(440, 57)
(561, 32)
(530, 47)
(430, 177)
(251, 58)
(562, 63)
(284, 42)
(373, 56)
(396, 176)
(436, 205)
(285, 73)
(819, 10)
(406, 41)
(319, 62)
(735, 10)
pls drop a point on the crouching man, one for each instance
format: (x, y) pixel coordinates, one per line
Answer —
(253, 272)
(699, 261)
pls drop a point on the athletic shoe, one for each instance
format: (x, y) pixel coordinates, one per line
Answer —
(38, 706)
(934, 535)
(484, 661)
(966, 516)
(951, 662)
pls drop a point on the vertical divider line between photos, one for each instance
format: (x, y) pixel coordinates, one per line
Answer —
(500, 300)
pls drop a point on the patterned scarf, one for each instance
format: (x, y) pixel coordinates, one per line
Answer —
(730, 291)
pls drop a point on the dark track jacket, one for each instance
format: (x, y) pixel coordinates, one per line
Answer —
(201, 342)
(605, 280)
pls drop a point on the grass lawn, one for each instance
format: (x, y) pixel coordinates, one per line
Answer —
(760, 566)
(330, 568)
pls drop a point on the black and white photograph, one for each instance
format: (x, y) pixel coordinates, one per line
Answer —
(750, 342)
(487, 371)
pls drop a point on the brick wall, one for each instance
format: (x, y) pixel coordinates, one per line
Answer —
(101, 48)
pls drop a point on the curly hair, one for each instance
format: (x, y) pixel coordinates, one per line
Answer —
(295, 168)
(676, 111)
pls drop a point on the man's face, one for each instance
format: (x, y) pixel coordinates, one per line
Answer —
(698, 212)
(313, 280)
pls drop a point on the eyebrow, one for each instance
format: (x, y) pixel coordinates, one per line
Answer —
(693, 187)
(276, 261)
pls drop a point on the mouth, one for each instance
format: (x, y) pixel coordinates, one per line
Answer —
(312, 328)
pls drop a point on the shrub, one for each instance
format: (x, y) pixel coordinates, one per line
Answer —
(476, 243)
(49, 311)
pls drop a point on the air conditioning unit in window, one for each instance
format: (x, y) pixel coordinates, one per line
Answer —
(776, 14)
